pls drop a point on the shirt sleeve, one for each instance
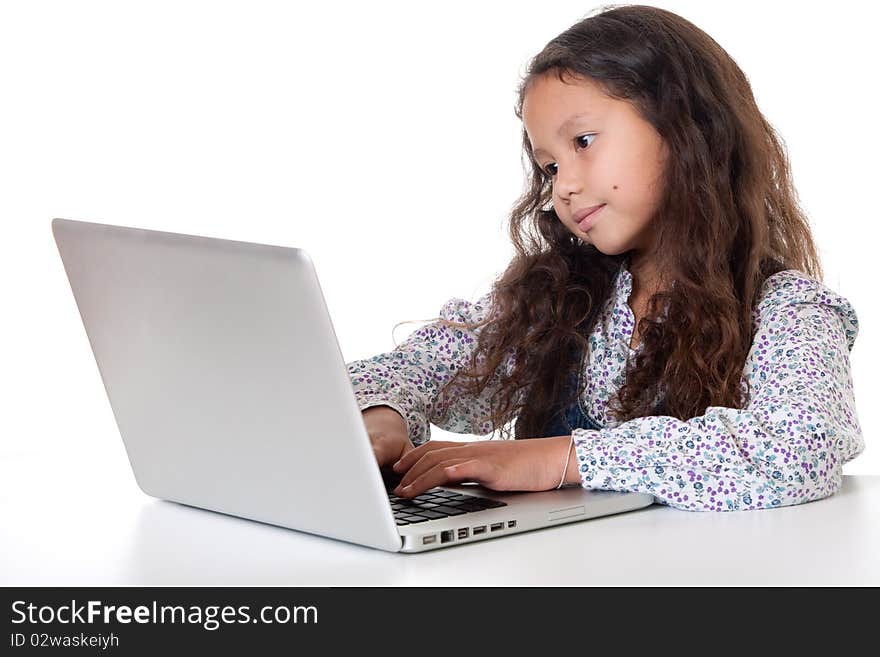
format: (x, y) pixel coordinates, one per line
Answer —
(408, 378)
(787, 446)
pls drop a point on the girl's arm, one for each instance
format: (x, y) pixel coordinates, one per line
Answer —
(786, 447)
(408, 378)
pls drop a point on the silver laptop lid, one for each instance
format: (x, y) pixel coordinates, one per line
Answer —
(225, 378)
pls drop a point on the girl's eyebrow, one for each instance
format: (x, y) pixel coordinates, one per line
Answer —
(562, 127)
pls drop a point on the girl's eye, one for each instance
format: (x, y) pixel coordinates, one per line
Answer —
(577, 141)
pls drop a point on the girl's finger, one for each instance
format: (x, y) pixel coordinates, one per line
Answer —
(431, 459)
(446, 472)
(414, 455)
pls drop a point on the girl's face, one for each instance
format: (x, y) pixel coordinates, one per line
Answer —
(596, 150)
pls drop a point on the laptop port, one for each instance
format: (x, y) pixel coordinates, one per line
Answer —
(496, 526)
(480, 530)
(463, 533)
(511, 523)
(430, 538)
(447, 536)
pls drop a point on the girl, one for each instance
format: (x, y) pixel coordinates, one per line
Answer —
(662, 327)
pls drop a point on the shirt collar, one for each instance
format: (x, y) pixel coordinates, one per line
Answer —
(624, 280)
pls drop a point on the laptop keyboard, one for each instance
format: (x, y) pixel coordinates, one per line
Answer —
(437, 503)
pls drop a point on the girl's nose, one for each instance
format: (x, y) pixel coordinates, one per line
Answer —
(568, 182)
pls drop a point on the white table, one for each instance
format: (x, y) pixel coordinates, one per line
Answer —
(70, 521)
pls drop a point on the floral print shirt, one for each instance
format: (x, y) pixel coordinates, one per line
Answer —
(786, 446)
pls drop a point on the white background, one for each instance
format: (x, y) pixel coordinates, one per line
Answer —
(378, 136)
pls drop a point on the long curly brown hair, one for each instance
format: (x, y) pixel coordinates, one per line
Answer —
(728, 219)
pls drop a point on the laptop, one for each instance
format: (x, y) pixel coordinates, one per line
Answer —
(230, 392)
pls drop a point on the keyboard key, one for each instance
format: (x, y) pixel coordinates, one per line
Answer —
(413, 519)
(427, 513)
(470, 508)
(489, 504)
(465, 498)
(450, 510)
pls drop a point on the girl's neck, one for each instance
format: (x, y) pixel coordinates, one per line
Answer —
(643, 276)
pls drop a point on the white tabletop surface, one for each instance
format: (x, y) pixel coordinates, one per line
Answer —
(70, 520)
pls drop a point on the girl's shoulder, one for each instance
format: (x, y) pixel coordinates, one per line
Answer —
(791, 287)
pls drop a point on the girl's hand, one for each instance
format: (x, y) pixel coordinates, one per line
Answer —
(388, 436)
(522, 465)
